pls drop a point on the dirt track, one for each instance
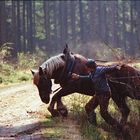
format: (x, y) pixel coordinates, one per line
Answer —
(19, 110)
(22, 114)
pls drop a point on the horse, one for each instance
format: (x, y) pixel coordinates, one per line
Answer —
(131, 77)
(57, 68)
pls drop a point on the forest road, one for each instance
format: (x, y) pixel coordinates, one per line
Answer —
(22, 114)
(20, 111)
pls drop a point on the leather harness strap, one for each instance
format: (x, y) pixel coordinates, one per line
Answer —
(66, 72)
(68, 68)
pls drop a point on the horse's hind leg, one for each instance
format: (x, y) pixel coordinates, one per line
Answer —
(104, 102)
(121, 103)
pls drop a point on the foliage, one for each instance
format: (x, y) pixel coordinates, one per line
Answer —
(5, 50)
(10, 75)
(17, 70)
(25, 60)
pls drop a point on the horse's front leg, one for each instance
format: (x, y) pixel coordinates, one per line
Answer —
(62, 109)
(51, 109)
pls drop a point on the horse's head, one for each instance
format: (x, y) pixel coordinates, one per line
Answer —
(43, 84)
(47, 71)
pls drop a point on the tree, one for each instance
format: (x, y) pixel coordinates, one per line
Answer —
(29, 26)
(47, 21)
(2, 23)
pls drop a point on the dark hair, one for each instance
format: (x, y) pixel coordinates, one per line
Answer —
(91, 63)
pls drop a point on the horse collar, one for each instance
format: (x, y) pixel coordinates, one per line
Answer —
(68, 68)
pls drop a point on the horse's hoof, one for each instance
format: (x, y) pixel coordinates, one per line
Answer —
(55, 113)
(63, 112)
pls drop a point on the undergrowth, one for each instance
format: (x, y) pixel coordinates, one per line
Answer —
(102, 131)
(16, 70)
(11, 75)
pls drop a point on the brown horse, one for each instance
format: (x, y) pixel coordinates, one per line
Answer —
(57, 68)
(131, 77)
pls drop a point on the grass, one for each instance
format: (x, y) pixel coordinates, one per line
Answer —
(103, 131)
(137, 65)
(53, 131)
(18, 69)
(10, 75)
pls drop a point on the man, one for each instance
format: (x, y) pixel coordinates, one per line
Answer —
(97, 74)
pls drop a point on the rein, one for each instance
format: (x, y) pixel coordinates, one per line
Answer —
(125, 77)
(134, 89)
(57, 89)
(131, 92)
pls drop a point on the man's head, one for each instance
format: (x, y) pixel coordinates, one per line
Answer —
(91, 65)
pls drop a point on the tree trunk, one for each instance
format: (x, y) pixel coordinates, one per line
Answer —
(29, 26)
(81, 22)
(18, 27)
(73, 24)
(47, 22)
(24, 27)
(2, 23)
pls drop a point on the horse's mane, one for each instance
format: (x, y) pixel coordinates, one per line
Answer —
(52, 64)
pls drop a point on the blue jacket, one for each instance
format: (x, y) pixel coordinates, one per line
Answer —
(98, 78)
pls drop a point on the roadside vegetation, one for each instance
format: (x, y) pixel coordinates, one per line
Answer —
(102, 131)
(16, 70)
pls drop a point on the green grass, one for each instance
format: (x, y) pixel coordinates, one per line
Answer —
(137, 65)
(18, 69)
(11, 75)
(53, 131)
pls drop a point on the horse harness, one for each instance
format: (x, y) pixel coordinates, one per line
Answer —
(67, 70)
(130, 79)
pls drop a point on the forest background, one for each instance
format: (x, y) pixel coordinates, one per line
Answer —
(93, 28)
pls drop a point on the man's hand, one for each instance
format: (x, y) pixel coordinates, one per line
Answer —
(74, 76)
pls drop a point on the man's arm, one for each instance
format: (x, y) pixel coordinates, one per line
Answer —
(111, 68)
(76, 76)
